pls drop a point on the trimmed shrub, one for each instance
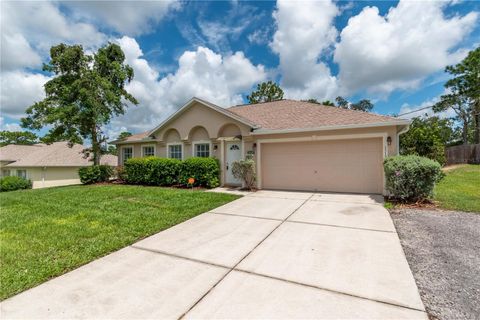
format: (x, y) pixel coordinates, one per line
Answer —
(95, 174)
(205, 171)
(411, 178)
(152, 171)
(12, 183)
(245, 171)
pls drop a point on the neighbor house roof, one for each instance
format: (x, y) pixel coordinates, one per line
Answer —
(292, 114)
(57, 154)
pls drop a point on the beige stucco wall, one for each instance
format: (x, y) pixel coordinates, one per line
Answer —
(200, 115)
(49, 176)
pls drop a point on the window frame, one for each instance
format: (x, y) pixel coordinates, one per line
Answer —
(182, 153)
(194, 148)
(123, 153)
(21, 170)
(147, 146)
(5, 171)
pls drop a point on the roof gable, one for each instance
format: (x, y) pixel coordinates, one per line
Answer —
(207, 104)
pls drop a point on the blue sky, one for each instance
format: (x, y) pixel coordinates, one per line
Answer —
(390, 52)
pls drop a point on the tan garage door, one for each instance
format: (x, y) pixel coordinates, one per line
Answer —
(336, 165)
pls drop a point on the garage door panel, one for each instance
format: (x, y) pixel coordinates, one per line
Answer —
(339, 166)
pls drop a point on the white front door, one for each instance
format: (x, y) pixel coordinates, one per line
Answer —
(234, 153)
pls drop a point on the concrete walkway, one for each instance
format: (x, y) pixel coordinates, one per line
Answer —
(270, 254)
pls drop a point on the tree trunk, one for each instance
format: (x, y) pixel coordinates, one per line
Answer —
(465, 131)
(476, 122)
(95, 147)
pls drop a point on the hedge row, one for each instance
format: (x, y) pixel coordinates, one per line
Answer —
(166, 172)
(12, 183)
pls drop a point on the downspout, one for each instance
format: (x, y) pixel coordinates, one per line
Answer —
(407, 127)
(44, 169)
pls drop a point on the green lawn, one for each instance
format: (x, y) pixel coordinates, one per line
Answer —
(460, 189)
(47, 232)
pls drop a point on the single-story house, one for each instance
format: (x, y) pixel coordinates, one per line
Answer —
(296, 145)
(47, 165)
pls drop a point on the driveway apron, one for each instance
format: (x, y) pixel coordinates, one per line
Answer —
(271, 254)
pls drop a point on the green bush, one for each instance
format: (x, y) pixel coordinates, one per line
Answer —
(152, 171)
(12, 183)
(411, 178)
(245, 171)
(205, 171)
(95, 174)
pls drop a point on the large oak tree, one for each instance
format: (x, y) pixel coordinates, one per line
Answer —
(87, 90)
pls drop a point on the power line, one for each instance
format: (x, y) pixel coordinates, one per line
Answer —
(413, 111)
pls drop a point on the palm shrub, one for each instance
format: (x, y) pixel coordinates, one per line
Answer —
(245, 171)
(152, 171)
(411, 178)
(12, 183)
(95, 174)
(205, 171)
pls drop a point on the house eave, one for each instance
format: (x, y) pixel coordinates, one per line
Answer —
(336, 127)
(117, 142)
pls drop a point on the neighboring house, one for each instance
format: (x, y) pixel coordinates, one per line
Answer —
(296, 145)
(45, 165)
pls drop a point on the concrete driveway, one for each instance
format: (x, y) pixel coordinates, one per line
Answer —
(270, 254)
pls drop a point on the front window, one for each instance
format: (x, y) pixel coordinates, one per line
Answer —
(175, 151)
(202, 150)
(148, 151)
(22, 174)
(5, 173)
(127, 153)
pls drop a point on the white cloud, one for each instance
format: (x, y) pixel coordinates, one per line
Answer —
(201, 73)
(126, 17)
(304, 33)
(19, 90)
(259, 36)
(218, 33)
(29, 29)
(16, 52)
(398, 50)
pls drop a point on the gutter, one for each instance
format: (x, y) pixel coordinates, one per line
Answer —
(326, 128)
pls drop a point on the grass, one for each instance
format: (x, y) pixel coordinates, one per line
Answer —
(47, 232)
(460, 189)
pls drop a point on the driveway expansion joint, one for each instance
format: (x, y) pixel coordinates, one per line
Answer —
(301, 222)
(234, 268)
(339, 226)
(327, 289)
(244, 257)
(244, 216)
(181, 257)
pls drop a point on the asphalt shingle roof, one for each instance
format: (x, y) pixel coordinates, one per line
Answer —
(57, 154)
(292, 114)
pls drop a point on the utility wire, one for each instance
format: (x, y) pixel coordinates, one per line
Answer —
(413, 111)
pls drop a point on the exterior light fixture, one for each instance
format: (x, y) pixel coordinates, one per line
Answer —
(389, 140)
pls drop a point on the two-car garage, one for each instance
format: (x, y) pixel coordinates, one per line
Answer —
(345, 165)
